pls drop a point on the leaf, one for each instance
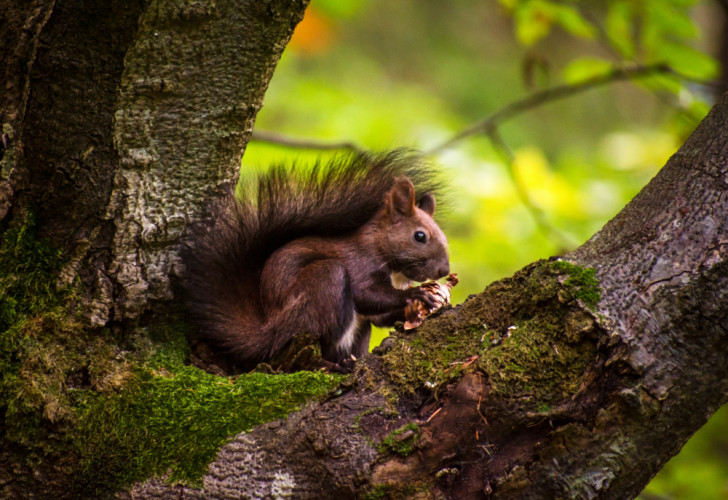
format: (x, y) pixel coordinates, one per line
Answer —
(671, 20)
(572, 21)
(662, 83)
(664, 22)
(620, 25)
(535, 18)
(687, 60)
(584, 68)
(533, 21)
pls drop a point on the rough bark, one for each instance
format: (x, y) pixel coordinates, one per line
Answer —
(120, 119)
(538, 396)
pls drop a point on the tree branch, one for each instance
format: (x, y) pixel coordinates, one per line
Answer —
(292, 142)
(489, 125)
(550, 95)
(549, 230)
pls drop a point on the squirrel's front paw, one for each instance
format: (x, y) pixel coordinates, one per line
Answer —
(422, 297)
(431, 296)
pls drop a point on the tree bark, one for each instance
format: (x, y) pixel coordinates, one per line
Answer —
(524, 391)
(119, 121)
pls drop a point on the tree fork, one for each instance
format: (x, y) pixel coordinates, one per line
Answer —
(531, 389)
(560, 382)
(121, 120)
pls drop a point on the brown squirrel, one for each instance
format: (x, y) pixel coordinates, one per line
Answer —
(316, 251)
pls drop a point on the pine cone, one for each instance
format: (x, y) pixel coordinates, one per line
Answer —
(416, 312)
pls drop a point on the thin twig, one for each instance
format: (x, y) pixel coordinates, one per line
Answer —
(489, 127)
(292, 142)
(433, 415)
(550, 95)
(508, 158)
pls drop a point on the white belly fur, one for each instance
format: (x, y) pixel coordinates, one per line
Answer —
(346, 342)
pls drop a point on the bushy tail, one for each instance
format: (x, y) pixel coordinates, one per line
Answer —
(224, 258)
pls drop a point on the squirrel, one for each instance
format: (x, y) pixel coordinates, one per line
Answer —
(328, 251)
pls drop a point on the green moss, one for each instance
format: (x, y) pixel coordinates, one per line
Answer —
(544, 408)
(38, 342)
(402, 441)
(29, 267)
(115, 407)
(395, 491)
(376, 493)
(169, 417)
(582, 282)
(516, 366)
(527, 333)
(34, 378)
(176, 421)
(410, 368)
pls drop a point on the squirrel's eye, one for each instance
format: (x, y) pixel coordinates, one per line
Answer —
(420, 237)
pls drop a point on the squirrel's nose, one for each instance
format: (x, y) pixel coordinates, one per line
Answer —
(444, 270)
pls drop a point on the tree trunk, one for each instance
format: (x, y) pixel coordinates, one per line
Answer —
(120, 120)
(559, 382)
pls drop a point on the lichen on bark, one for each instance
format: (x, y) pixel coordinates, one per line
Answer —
(193, 81)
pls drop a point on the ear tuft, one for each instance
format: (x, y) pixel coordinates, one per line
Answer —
(401, 198)
(427, 204)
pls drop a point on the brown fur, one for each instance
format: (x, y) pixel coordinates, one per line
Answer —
(315, 253)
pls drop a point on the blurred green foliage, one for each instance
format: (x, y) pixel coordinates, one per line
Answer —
(389, 74)
(700, 470)
(385, 75)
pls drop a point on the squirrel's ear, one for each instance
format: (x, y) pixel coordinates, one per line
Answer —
(427, 203)
(401, 198)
